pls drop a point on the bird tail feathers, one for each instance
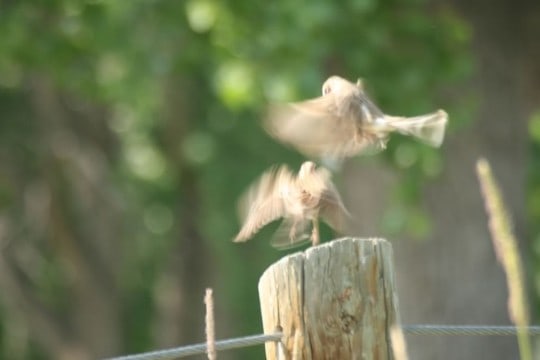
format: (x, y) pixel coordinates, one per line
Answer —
(429, 128)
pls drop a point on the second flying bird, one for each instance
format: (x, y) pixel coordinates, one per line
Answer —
(344, 122)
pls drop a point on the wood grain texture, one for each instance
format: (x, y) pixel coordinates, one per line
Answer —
(333, 301)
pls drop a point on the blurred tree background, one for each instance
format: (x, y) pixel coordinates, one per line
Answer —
(130, 128)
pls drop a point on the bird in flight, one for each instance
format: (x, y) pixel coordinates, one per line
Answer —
(344, 122)
(299, 199)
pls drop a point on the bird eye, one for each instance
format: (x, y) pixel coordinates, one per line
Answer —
(326, 90)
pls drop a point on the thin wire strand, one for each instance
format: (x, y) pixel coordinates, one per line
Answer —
(437, 330)
(468, 330)
(196, 349)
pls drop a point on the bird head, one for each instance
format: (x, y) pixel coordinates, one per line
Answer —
(336, 85)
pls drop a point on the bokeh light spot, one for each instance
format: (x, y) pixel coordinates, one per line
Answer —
(111, 68)
(406, 155)
(234, 84)
(158, 219)
(145, 161)
(198, 148)
(201, 15)
(279, 89)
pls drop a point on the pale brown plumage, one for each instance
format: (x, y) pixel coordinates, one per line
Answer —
(344, 122)
(299, 200)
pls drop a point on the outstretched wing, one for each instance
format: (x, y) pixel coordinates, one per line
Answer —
(262, 203)
(313, 127)
(320, 128)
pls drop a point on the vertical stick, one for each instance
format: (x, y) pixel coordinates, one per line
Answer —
(210, 326)
(334, 301)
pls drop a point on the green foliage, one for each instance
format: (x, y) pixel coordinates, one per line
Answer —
(533, 198)
(237, 55)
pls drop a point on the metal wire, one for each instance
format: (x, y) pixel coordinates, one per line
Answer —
(467, 330)
(196, 349)
(452, 330)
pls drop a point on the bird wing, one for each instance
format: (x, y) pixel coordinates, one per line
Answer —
(262, 203)
(318, 128)
(312, 126)
(283, 239)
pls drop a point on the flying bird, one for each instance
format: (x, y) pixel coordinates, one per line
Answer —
(344, 122)
(299, 199)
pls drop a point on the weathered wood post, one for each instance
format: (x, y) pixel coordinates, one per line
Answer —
(333, 301)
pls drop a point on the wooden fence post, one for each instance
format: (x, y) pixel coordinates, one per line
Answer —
(333, 301)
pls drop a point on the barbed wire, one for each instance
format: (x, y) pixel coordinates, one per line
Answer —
(246, 341)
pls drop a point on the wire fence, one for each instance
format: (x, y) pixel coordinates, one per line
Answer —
(198, 349)
(467, 330)
(246, 341)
